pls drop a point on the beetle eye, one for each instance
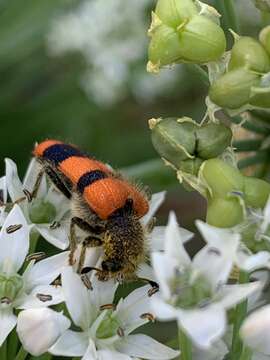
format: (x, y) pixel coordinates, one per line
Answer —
(111, 265)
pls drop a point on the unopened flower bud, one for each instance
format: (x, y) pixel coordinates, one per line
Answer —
(232, 90)
(173, 140)
(265, 38)
(212, 140)
(222, 178)
(249, 53)
(256, 192)
(263, 5)
(224, 212)
(174, 12)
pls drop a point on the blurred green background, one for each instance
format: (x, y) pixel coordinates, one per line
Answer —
(43, 92)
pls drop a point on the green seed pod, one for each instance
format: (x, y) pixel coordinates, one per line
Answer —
(164, 48)
(232, 90)
(191, 166)
(173, 140)
(248, 52)
(196, 40)
(263, 5)
(222, 178)
(224, 213)
(174, 12)
(265, 38)
(256, 192)
(212, 140)
(201, 40)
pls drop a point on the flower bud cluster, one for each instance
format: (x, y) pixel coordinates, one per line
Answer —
(184, 31)
(229, 192)
(185, 144)
(246, 80)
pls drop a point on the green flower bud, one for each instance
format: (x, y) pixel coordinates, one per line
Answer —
(191, 166)
(212, 140)
(222, 178)
(224, 212)
(232, 90)
(248, 52)
(174, 12)
(256, 192)
(173, 140)
(265, 38)
(10, 286)
(42, 212)
(263, 5)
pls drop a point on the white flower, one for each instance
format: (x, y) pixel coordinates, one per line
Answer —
(31, 289)
(105, 331)
(3, 199)
(48, 211)
(255, 330)
(194, 291)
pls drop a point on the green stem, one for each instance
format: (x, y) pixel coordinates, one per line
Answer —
(265, 18)
(246, 354)
(12, 344)
(240, 314)
(22, 354)
(3, 351)
(185, 346)
(247, 145)
(260, 158)
(200, 72)
(248, 125)
(231, 15)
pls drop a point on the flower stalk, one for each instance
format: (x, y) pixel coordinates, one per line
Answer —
(232, 18)
(22, 354)
(240, 314)
(185, 346)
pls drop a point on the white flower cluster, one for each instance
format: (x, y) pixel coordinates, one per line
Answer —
(113, 54)
(195, 292)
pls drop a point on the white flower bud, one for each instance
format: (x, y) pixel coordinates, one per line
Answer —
(38, 329)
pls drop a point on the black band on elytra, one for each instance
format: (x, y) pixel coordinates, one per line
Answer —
(89, 178)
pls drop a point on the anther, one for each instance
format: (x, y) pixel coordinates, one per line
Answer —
(152, 291)
(28, 195)
(54, 225)
(213, 250)
(12, 228)
(44, 297)
(107, 307)
(148, 316)
(120, 332)
(36, 256)
(57, 281)
(86, 281)
(6, 300)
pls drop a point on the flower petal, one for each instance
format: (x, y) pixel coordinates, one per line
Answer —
(30, 178)
(53, 293)
(38, 329)
(8, 322)
(14, 185)
(3, 188)
(103, 291)
(77, 298)
(155, 202)
(130, 309)
(266, 216)
(231, 295)
(45, 271)
(56, 236)
(220, 251)
(164, 269)
(251, 262)
(143, 346)
(255, 329)
(145, 271)
(91, 352)
(157, 237)
(174, 246)
(112, 355)
(59, 201)
(217, 352)
(203, 326)
(71, 343)
(161, 309)
(14, 245)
